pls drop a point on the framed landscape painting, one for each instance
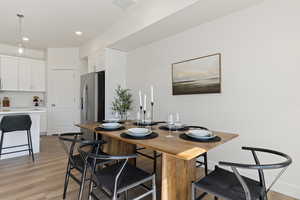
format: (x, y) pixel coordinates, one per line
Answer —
(197, 76)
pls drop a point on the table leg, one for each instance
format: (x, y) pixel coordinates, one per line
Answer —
(177, 177)
(118, 147)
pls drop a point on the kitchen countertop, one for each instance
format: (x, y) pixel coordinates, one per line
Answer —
(4, 111)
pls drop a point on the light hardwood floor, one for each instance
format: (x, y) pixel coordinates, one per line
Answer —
(20, 179)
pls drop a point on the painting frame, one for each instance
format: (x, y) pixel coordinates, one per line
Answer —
(219, 71)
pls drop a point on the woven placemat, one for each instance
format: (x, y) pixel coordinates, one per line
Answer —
(166, 128)
(109, 130)
(150, 136)
(198, 127)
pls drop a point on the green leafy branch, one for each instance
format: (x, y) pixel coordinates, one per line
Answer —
(123, 100)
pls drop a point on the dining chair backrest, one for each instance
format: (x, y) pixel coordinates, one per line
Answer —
(86, 155)
(12, 123)
(260, 168)
(69, 141)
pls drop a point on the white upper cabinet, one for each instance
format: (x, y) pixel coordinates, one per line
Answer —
(38, 72)
(9, 73)
(22, 74)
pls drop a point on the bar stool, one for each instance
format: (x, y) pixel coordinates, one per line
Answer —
(13, 123)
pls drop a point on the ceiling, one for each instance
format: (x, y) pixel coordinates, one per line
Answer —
(200, 12)
(52, 23)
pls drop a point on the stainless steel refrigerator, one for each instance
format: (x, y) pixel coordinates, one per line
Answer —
(92, 94)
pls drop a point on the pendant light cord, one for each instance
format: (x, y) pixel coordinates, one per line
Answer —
(20, 16)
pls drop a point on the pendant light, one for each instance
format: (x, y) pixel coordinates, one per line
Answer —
(21, 47)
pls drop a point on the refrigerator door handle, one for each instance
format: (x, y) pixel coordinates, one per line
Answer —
(81, 103)
(86, 103)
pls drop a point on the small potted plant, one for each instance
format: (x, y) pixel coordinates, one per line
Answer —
(122, 102)
(36, 100)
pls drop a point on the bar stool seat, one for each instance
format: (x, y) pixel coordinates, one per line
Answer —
(12, 123)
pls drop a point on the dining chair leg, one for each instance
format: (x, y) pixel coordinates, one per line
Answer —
(82, 183)
(265, 197)
(153, 188)
(91, 185)
(205, 164)
(67, 177)
(193, 191)
(126, 195)
(1, 143)
(154, 162)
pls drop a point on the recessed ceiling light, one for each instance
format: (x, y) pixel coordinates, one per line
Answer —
(78, 33)
(25, 39)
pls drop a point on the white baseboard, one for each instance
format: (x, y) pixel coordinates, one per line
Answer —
(280, 186)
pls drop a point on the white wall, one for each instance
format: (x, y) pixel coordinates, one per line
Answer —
(29, 53)
(63, 57)
(260, 50)
(96, 61)
(113, 62)
(115, 74)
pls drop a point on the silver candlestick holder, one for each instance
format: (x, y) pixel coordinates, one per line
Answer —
(144, 122)
(140, 121)
(152, 105)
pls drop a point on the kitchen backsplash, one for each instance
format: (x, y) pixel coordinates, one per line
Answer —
(22, 99)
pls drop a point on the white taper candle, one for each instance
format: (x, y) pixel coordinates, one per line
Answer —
(140, 94)
(152, 94)
(145, 103)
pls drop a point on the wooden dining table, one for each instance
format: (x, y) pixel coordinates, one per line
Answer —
(178, 155)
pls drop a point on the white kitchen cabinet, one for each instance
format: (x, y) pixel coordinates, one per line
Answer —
(38, 75)
(9, 73)
(22, 74)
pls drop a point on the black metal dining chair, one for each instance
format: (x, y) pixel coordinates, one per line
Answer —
(12, 123)
(155, 155)
(75, 162)
(233, 186)
(115, 179)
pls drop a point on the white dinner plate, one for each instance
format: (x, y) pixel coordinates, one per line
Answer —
(111, 125)
(207, 137)
(138, 134)
(138, 130)
(200, 132)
